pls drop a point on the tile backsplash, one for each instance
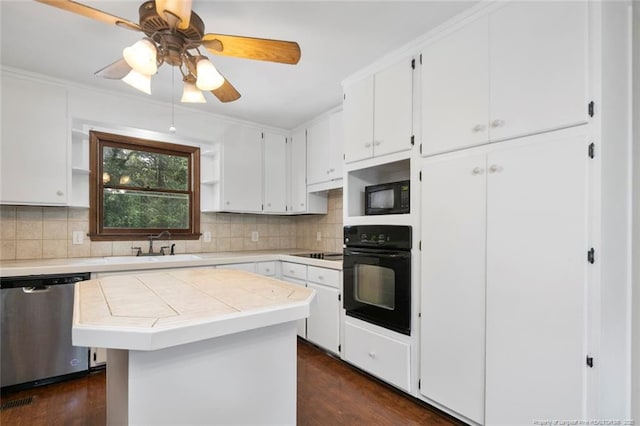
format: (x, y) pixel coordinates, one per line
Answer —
(47, 233)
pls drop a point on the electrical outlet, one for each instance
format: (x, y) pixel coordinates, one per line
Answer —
(206, 236)
(319, 236)
(78, 237)
(254, 236)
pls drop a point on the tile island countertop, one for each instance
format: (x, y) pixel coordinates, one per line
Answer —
(194, 346)
(155, 310)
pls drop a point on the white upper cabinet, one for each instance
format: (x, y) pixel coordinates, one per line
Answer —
(242, 170)
(378, 113)
(34, 143)
(298, 172)
(520, 70)
(325, 149)
(455, 90)
(275, 173)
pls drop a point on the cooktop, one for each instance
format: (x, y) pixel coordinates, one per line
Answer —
(322, 255)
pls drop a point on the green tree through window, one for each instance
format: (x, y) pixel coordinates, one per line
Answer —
(141, 187)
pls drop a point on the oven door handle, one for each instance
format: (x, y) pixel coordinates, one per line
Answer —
(377, 253)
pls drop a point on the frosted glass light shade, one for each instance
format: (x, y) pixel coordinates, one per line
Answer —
(141, 56)
(208, 76)
(180, 9)
(139, 81)
(191, 94)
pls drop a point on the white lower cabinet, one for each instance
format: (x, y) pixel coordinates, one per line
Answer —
(379, 355)
(504, 261)
(323, 325)
(266, 268)
(97, 357)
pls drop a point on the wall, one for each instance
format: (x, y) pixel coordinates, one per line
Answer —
(46, 233)
(635, 259)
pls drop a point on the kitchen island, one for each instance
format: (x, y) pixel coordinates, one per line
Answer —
(195, 346)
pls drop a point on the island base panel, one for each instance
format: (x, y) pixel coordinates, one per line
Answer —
(242, 378)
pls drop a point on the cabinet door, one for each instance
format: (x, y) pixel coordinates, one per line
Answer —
(455, 90)
(275, 173)
(539, 67)
(34, 143)
(358, 119)
(323, 326)
(301, 324)
(336, 145)
(393, 111)
(242, 170)
(536, 280)
(318, 157)
(298, 167)
(453, 283)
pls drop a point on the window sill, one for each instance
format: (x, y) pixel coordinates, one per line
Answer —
(141, 237)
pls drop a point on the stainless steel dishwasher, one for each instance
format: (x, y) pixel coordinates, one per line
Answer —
(36, 314)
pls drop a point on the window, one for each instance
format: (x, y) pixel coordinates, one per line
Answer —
(141, 187)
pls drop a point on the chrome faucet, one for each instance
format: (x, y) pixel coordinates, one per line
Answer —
(163, 234)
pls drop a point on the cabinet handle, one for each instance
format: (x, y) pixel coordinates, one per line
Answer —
(497, 123)
(376, 143)
(477, 171)
(367, 145)
(291, 271)
(332, 170)
(320, 277)
(495, 168)
(59, 193)
(478, 128)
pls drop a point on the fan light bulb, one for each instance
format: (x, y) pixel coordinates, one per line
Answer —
(208, 76)
(141, 56)
(175, 12)
(191, 94)
(139, 81)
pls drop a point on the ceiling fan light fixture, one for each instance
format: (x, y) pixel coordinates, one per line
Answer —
(190, 93)
(175, 12)
(138, 81)
(208, 76)
(141, 56)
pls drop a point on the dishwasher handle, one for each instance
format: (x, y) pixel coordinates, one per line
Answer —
(31, 290)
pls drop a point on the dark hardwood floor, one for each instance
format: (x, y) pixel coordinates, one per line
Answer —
(330, 392)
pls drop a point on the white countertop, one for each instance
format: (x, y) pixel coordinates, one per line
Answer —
(155, 310)
(15, 268)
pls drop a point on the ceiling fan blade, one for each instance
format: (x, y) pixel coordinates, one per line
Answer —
(286, 52)
(90, 12)
(226, 92)
(115, 71)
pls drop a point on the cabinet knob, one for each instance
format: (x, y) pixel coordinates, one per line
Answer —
(268, 204)
(367, 145)
(320, 277)
(495, 168)
(497, 123)
(376, 143)
(59, 193)
(332, 170)
(228, 202)
(478, 128)
(301, 204)
(372, 355)
(477, 171)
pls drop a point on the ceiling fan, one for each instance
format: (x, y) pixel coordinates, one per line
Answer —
(174, 35)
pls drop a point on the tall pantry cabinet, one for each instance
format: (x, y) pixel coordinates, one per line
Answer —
(504, 214)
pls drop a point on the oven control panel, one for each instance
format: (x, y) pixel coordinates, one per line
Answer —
(379, 236)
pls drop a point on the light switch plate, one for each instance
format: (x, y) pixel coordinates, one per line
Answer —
(254, 236)
(319, 236)
(78, 237)
(207, 236)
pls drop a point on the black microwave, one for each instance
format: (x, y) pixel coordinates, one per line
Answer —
(387, 198)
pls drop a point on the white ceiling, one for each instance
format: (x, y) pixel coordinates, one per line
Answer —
(337, 39)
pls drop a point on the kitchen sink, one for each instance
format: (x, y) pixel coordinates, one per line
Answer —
(151, 259)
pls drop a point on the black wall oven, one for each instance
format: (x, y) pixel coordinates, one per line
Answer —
(377, 275)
